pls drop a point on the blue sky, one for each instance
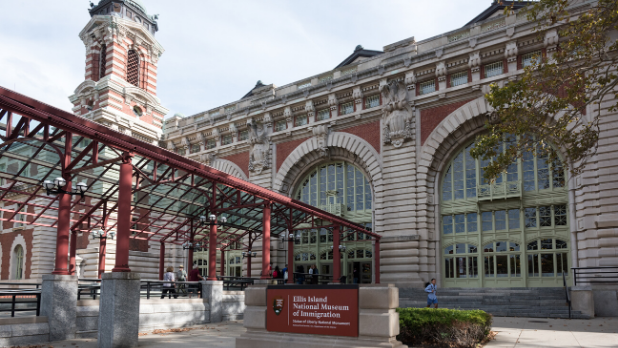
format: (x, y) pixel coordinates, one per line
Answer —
(216, 50)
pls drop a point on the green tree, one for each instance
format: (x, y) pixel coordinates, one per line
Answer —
(547, 103)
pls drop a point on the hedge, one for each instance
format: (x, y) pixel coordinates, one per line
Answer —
(443, 327)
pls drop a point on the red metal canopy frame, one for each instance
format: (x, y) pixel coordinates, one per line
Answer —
(142, 191)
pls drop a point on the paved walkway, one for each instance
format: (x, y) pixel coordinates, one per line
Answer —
(563, 333)
(211, 335)
(512, 333)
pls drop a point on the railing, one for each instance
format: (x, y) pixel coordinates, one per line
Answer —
(236, 282)
(566, 291)
(19, 286)
(91, 288)
(595, 275)
(156, 288)
(308, 278)
(500, 190)
(20, 297)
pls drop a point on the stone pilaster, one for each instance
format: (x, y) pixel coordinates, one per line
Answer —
(119, 310)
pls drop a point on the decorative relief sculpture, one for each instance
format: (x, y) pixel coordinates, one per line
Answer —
(310, 109)
(397, 113)
(475, 61)
(320, 133)
(259, 147)
(207, 158)
(510, 53)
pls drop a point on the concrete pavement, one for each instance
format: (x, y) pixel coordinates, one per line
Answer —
(563, 333)
(512, 333)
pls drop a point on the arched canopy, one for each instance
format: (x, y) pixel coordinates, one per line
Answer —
(169, 192)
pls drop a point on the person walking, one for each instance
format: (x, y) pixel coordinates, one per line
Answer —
(169, 287)
(195, 276)
(431, 296)
(181, 276)
(276, 272)
(284, 271)
(315, 277)
(300, 271)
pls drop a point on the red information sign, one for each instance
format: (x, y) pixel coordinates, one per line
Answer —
(318, 310)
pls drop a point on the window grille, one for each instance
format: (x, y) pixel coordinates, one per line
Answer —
(133, 68)
(348, 71)
(346, 108)
(281, 125)
(372, 101)
(300, 120)
(182, 152)
(304, 85)
(211, 144)
(195, 148)
(459, 78)
(493, 69)
(325, 78)
(323, 114)
(19, 262)
(243, 135)
(226, 139)
(428, 86)
(102, 61)
(529, 58)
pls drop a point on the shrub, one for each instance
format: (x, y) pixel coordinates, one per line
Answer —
(443, 327)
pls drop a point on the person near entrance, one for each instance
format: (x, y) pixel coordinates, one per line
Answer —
(170, 286)
(181, 276)
(284, 271)
(314, 271)
(195, 276)
(431, 296)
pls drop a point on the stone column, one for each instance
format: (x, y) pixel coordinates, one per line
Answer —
(119, 310)
(212, 290)
(59, 305)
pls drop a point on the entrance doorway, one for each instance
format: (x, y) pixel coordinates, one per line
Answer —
(359, 273)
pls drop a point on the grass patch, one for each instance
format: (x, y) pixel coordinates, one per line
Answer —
(443, 327)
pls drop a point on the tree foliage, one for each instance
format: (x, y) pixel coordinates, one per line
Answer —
(547, 103)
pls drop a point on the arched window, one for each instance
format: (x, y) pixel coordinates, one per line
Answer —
(102, 61)
(338, 188)
(527, 202)
(133, 68)
(18, 256)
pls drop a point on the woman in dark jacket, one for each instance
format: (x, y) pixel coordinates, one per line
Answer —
(300, 277)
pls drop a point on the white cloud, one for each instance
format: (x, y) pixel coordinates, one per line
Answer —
(216, 50)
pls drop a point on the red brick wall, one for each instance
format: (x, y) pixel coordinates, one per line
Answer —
(369, 132)
(431, 118)
(285, 149)
(241, 160)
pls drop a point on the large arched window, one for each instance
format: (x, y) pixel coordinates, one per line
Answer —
(102, 61)
(525, 205)
(338, 188)
(133, 68)
(18, 257)
(341, 189)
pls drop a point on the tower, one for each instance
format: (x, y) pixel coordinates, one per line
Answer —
(122, 54)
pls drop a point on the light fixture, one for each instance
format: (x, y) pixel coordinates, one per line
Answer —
(100, 234)
(290, 236)
(248, 254)
(341, 247)
(58, 185)
(212, 220)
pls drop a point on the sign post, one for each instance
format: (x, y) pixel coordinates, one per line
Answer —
(316, 309)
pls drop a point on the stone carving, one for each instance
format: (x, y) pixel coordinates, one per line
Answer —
(332, 102)
(357, 95)
(320, 133)
(287, 114)
(268, 120)
(410, 80)
(396, 112)
(475, 61)
(259, 147)
(441, 71)
(551, 40)
(207, 158)
(309, 108)
(510, 52)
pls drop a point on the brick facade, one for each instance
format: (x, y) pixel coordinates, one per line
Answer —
(431, 118)
(369, 132)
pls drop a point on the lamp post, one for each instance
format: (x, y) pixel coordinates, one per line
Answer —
(248, 254)
(290, 260)
(211, 220)
(102, 236)
(58, 187)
